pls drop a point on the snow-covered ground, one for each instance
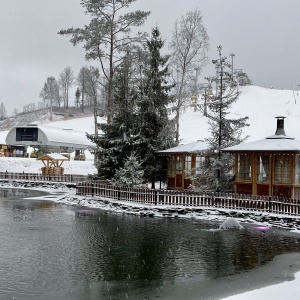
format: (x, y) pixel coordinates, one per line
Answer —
(260, 104)
(32, 165)
(287, 290)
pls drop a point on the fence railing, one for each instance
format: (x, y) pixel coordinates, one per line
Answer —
(188, 198)
(41, 177)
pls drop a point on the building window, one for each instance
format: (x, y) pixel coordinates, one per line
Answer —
(26, 134)
(188, 166)
(297, 170)
(179, 165)
(171, 166)
(282, 168)
(263, 168)
(199, 163)
(297, 193)
(244, 167)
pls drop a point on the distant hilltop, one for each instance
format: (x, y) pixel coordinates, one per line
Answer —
(42, 116)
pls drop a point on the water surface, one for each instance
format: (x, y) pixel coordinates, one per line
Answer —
(54, 251)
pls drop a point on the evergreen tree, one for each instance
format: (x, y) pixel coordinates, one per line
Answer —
(140, 119)
(215, 173)
(116, 142)
(131, 174)
(77, 97)
(155, 131)
(3, 112)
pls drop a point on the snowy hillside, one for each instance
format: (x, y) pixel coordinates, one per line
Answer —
(261, 105)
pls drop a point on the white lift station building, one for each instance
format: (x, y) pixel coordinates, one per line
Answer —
(48, 139)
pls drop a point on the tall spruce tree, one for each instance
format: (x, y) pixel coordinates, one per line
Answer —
(155, 131)
(116, 142)
(140, 120)
(215, 173)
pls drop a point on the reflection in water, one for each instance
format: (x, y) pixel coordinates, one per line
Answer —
(18, 193)
(54, 251)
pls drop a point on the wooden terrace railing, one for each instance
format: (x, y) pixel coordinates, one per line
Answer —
(230, 201)
(41, 177)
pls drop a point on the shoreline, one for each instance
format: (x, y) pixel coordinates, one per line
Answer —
(281, 269)
(69, 197)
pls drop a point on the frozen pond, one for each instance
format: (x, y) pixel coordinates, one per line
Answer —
(54, 251)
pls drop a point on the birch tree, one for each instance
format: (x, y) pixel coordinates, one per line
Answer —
(66, 80)
(189, 45)
(107, 36)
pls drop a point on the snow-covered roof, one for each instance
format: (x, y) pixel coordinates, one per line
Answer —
(53, 156)
(267, 145)
(48, 138)
(277, 142)
(187, 148)
(66, 136)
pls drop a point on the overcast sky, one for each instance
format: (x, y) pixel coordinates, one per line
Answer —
(263, 35)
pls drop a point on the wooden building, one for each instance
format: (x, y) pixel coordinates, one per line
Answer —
(182, 163)
(268, 167)
(52, 164)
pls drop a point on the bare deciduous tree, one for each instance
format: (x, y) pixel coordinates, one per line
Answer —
(189, 45)
(81, 81)
(66, 79)
(50, 93)
(92, 90)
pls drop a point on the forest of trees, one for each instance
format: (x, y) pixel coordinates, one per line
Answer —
(133, 86)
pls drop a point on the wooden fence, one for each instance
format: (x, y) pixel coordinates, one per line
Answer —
(41, 177)
(188, 198)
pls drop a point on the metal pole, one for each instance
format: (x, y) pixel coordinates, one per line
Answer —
(205, 104)
(232, 55)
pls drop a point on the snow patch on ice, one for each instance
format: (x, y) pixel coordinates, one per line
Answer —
(231, 223)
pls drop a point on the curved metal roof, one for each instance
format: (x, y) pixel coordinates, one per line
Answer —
(50, 138)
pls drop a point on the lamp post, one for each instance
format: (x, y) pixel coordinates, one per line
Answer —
(205, 86)
(197, 69)
(232, 56)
